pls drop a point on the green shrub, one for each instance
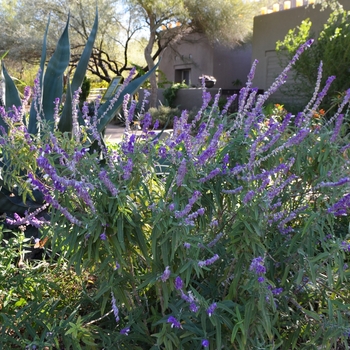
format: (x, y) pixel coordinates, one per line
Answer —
(331, 47)
(170, 93)
(229, 234)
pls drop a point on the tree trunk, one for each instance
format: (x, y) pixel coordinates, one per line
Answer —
(150, 62)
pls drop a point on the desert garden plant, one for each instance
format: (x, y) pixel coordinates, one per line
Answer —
(232, 233)
(331, 45)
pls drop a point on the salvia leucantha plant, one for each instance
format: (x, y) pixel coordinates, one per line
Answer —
(48, 87)
(232, 233)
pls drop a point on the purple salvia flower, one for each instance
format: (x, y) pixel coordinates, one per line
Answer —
(345, 246)
(125, 331)
(235, 191)
(280, 80)
(75, 123)
(340, 182)
(336, 130)
(103, 176)
(343, 149)
(211, 309)
(340, 108)
(205, 343)
(188, 298)
(127, 169)
(193, 307)
(321, 95)
(214, 223)
(181, 172)
(166, 274)
(171, 207)
(341, 207)
(229, 102)
(211, 175)
(174, 322)
(179, 214)
(162, 152)
(115, 308)
(248, 197)
(277, 291)
(178, 283)
(144, 101)
(298, 138)
(215, 240)
(146, 122)
(211, 150)
(209, 261)
(257, 266)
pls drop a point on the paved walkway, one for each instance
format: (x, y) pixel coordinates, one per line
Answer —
(114, 133)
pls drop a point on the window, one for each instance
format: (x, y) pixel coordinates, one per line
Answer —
(182, 75)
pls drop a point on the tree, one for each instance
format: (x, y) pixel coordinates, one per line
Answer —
(122, 22)
(225, 21)
(25, 21)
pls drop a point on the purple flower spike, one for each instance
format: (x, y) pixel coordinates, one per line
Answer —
(193, 307)
(178, 283)
(115, 308)
(166, 274)
(211, 309)
(125, 331)
(208, 261)
(174, 322)
(205, 343)
(257, 266)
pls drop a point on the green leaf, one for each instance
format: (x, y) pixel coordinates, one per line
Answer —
(36, 103)
(53, 79)
(11, 93)
(65, 123)
(104, 115)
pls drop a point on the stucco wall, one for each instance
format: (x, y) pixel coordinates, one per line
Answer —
(270, 28)
(231, 65)
(196, 52)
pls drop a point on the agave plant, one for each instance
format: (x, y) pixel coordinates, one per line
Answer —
(50, 81)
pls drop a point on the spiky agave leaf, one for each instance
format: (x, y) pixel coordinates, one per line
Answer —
(65, 123)
(36, 101)
(53, 77)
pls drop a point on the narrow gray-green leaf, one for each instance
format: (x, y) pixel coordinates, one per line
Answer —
(131, 88)
(53, 79)
(11, 93)
(36, 102)
(65, 123)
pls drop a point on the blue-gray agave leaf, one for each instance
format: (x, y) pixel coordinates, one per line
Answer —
(53, 78)
(105, 116)
(36, 102)
(65, 123)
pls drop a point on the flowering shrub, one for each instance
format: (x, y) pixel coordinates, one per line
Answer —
(231, 233)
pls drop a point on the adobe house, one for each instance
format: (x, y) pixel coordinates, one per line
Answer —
(272, 26)
(194, 56)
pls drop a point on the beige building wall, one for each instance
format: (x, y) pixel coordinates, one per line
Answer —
(270, 28)
(197, 54)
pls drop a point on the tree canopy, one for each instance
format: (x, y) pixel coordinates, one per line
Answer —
(122, 23)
